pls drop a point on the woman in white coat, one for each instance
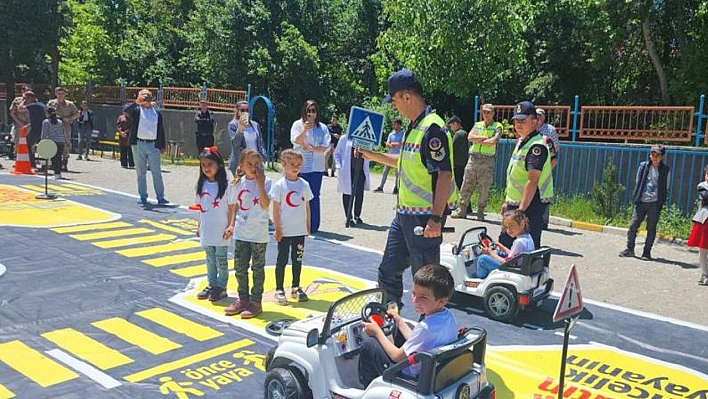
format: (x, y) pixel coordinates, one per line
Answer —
(345, 161)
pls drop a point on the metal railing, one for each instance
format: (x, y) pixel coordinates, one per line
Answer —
(557, 115)
(673, 124)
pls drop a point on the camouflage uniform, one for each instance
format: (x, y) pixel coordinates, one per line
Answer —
(67, 111)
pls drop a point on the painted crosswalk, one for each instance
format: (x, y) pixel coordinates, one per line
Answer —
(64, 189)
(93, 349)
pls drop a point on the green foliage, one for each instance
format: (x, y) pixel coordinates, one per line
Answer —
(607, 194)
(674, 222)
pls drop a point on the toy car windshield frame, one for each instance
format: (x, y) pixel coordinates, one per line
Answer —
(348, 309)
(474, 233)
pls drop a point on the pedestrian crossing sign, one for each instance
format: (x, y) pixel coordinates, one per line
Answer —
(365, 127)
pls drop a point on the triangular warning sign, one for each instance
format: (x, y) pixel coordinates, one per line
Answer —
(365, 131)
(571, 300)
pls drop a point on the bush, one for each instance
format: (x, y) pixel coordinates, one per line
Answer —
(607, 195)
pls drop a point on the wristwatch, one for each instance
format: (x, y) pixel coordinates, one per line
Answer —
(435, 218)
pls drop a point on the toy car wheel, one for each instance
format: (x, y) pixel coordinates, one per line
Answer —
(282, 383)
(500, 304)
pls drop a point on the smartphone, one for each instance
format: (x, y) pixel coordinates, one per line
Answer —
(244, 117)
(311, 119)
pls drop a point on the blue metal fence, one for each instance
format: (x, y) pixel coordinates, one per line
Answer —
(581, 166)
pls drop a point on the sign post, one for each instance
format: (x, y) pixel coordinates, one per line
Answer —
(569, 304)
(364, 130)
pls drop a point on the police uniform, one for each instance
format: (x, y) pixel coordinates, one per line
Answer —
(425, 151)
(479, 171)
(530, 153)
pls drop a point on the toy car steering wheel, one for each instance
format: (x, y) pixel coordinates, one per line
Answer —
(377, 313)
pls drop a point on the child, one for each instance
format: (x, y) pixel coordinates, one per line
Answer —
(216, 221)
(250, 194)
(516, 225)
(53, 129)
(699, 233)
(432, 287)
(291, 197)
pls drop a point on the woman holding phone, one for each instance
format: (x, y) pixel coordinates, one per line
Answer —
(311, 137)
(243, 133)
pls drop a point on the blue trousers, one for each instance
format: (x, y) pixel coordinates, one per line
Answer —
(147, 155)
(486, 264)
(403, 249)
(315, 181)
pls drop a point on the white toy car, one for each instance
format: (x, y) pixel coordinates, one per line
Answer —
(317, 358)
(517, 284)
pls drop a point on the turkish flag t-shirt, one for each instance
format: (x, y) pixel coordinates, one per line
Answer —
(214, 215)
(293, 197)
(251, 218)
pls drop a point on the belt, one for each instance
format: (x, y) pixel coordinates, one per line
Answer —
(480, 155)
(147, 141)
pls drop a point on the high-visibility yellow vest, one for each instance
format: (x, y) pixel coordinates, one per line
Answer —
(415, 184)
(488, 132)
(517, 175)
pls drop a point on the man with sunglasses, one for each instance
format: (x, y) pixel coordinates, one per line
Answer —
(426, 188)
(479, 170)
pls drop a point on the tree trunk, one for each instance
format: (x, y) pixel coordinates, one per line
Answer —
(655, 60)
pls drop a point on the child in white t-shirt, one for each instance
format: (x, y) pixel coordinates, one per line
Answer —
(516, 225)
(291, 197)
(250, 194)
(216, 221)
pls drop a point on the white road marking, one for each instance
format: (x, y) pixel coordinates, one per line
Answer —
(89, 371)
(560, 334)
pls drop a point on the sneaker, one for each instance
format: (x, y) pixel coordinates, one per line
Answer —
(205, 293)
(163, 201)
(280, 297)
(235, 308)
(57, 176)
(87, 158)
(349, 223)
(251, 310)
(142, 201)
(627, 253)
(299, 295)
(358, 220)
(703, 281)
(378, 190)
(646, 257)
(395, 191)
(217, 294)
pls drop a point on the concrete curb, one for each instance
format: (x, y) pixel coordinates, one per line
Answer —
(620, 231)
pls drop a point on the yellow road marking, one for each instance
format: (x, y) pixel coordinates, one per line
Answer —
(180, 363)
(167, 228)
(89, 227)
(50, 187)
(175, 259)
(126, 242)
(179, 324)
(56, 187)
(136, 335)
(5, 393)
(157, 249)
(81, 188)
(110, 234)
(87, 348)
(193, 271)
(34, 365)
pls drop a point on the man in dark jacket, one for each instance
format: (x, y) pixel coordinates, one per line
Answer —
(205, 127)
(650, 191)
(147, 139)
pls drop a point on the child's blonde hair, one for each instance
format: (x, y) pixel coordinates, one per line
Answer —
(289, 154)
(246, 154)
(519, 217)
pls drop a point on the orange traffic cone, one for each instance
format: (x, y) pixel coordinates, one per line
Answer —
(22, 163)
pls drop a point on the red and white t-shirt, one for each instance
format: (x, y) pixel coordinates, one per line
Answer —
(293, 197)
(251, 218)
(214, 215)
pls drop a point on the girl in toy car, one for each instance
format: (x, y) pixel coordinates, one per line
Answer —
(516, 225)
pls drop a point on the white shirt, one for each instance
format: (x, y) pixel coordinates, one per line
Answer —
(214, 215)
(251, 218)
(313, 161)
(434, 331)
(250, 137)
(522, 244)
(293, 197)
(147, 128)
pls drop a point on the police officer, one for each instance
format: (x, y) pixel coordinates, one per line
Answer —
(204, 119)
(426, 188)
(479, 171)
(529, 178)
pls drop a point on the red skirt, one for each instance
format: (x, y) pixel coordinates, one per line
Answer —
(699, 236)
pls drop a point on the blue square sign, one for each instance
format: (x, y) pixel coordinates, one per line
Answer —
(365, 127)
